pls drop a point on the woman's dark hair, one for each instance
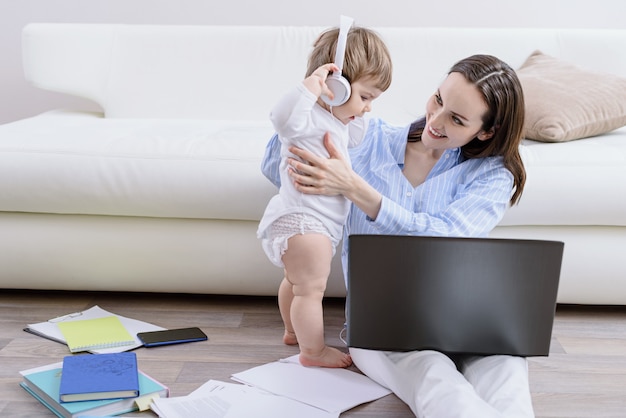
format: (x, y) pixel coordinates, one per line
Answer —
(502, 92)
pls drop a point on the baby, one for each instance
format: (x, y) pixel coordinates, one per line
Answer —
(300, 232)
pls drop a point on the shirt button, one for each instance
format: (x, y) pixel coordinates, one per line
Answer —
(409, 194)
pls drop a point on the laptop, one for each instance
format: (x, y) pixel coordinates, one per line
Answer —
(454, 295)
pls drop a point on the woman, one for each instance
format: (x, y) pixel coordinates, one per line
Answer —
(452, 173)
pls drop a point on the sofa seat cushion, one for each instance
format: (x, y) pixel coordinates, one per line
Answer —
(581, 182)
(81, 163)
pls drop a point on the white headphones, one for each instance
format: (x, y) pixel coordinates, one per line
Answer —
(338, 84)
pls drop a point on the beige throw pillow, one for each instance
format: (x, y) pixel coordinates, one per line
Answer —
(565, 102)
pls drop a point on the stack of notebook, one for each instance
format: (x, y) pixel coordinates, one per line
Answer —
(98, 385)
(106, 382)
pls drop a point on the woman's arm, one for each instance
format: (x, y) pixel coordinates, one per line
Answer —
(465, 201)
(270, 165)
(311, 178)
(448, 206)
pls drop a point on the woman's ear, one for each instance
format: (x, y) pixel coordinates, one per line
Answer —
(485, 135)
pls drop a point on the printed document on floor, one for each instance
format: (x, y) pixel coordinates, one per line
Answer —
(217, 399)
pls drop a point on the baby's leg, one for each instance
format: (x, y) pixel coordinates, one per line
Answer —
(285, 298)
(307, 266)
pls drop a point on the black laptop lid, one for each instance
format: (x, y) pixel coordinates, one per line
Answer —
(455, 295)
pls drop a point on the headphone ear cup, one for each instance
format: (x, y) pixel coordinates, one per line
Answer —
(340, 88)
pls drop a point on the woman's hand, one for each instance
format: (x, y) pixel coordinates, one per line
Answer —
(320, 175)
(332, 176)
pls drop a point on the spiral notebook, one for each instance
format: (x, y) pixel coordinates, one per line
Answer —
(93, 334)
(49, 329)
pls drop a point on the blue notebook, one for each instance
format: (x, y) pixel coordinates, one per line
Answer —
(99, 376)
(44, 386)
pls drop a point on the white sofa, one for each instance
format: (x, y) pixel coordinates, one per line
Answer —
(162, 191)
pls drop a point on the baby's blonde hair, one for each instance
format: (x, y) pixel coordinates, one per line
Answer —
(367, 56)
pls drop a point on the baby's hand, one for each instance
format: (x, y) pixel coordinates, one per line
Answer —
(316, 82)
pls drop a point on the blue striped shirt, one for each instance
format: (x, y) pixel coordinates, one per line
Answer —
(459, 198)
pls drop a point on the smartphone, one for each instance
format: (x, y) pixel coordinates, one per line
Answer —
(171, 336)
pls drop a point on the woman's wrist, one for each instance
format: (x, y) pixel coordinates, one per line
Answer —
(364, 196)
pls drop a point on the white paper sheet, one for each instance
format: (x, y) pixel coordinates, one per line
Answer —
(217, 399)
(333, 390)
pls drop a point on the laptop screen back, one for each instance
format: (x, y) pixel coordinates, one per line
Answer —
(455, 295)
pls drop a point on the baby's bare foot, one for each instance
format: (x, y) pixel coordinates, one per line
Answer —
(328, 357)
(290, 338)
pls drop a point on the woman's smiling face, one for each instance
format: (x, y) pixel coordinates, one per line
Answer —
(454, 115)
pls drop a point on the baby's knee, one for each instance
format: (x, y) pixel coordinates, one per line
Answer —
(313, 287)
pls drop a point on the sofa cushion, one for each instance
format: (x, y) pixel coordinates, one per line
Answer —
(565, 102)
(81, 163)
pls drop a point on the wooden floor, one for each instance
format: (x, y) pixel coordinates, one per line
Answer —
(584, 376)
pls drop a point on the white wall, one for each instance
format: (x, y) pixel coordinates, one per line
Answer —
(18, 99)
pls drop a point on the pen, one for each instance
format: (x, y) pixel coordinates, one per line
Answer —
(64, 317)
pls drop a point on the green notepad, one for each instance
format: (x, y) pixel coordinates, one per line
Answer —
(94, 334)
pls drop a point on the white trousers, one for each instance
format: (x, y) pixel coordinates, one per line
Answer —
(433, 387)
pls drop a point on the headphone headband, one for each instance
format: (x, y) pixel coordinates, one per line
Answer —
(340, 51)
(336, 82)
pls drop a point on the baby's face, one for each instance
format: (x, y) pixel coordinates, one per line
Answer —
(364, 91)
